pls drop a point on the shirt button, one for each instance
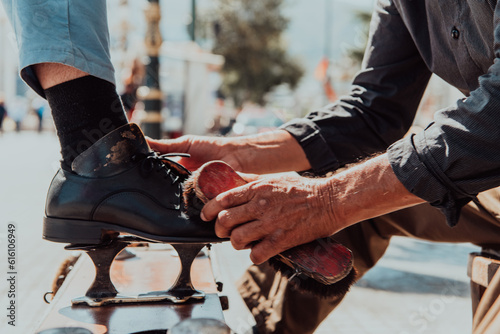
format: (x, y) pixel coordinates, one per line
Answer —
(455, 33)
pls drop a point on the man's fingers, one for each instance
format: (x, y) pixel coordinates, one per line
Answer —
(179, 145)
(158, 145)
(229, 199)
(250, 177)
(225, 224)
(190, 163)
(229, 219)
(265, 249)
(246, 235)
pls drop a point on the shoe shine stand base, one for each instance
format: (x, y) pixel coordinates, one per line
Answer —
(102, 291)
(155, 267)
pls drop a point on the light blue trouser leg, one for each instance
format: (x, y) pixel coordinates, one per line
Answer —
(71, 32)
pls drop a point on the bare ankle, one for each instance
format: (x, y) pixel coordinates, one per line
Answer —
(51, 74)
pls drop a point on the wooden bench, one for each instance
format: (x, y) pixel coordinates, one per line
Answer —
(152, 269)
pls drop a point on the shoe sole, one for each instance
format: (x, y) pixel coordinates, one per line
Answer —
(91, 232)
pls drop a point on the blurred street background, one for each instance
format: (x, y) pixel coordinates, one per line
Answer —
(227, 68)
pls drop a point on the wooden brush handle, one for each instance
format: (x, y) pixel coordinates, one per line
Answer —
(214, 178)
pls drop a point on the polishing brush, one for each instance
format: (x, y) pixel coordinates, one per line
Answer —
(322, 267)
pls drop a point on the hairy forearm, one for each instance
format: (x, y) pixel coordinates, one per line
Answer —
(270, 152)
(367, 190)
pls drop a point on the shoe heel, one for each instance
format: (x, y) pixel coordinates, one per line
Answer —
(73, 231)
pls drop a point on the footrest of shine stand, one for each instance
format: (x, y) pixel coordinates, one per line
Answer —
(150, 297)
(103, 292)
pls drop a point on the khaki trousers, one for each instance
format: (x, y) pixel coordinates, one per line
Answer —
(278, 308)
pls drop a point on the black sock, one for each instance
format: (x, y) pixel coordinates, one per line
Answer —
(84, 110)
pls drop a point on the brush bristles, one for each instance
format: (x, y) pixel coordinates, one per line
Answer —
(307, 284)
(192, 203)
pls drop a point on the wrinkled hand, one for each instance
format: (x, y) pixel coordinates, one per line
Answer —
(272, 214)
(201, 149)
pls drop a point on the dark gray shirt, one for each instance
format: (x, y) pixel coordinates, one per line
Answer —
(458, 154)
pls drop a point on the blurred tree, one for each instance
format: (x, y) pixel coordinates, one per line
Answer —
(248, 34)
(357, 53)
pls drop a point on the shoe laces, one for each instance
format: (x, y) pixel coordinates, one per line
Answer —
(153, 161)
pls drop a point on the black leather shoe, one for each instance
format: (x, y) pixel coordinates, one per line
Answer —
(119, 185)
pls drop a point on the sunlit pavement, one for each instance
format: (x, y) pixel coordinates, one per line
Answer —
(416, 288)
(27, 165)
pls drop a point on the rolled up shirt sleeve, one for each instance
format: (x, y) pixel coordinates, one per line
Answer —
(318, 152)
(458, 155)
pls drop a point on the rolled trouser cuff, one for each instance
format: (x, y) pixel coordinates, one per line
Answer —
(55, 31)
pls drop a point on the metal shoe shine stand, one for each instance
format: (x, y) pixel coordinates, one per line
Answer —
(102, 291)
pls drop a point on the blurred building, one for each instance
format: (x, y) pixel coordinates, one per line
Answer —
(317, 29)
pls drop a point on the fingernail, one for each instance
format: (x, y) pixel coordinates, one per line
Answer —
(202, 216)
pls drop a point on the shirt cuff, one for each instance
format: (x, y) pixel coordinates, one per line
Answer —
(416, 170)
(308, 135)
